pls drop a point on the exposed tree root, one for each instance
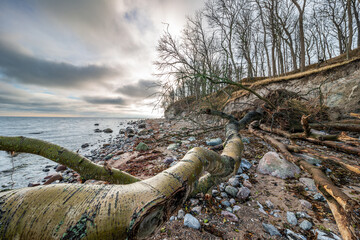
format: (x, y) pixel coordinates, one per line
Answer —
(349, 216)
(336, 126)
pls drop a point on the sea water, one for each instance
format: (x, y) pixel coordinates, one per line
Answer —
(71, 133)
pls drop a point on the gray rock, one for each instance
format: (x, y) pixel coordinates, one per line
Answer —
(214, 142)
(245, 164)
(243, 193)
(293, 236)
(172, 218)
(262, 211)
(306, 225)
(191, 139)
(107, 130)
(236, 208)
(291, 218)
(319, 197)
(247, 184)
(234, 182)
(273, 165)
(142, 125)
(85, 145)
(173, 146)
(305, 204)
(230, 216)
(244, 176)
(239, 171)
(222, 187)
(302, 215)
(169, 160)
(142, 147)
(225, 203)
(229, 209)
(181, 214)
(191, 222)
(214, 192)
(308, 182)
(231, 190)
(325, 235)
(271, 229)
(224, 195)
(196, 210)
(232, 201)
(269, 204)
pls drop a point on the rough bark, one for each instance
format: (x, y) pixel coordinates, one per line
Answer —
(336, 126)
(132, 211)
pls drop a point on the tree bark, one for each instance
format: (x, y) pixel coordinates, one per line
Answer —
(132, 211)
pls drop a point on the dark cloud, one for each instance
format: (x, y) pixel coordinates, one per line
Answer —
(104, 100)
(31, 70)
(141, 89)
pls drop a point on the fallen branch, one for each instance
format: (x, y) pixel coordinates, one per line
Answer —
(350, 207)
(336, 126)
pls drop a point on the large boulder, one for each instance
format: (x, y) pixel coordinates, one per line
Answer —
(272, 164)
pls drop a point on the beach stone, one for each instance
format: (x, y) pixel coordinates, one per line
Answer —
(305, 203)
(214, 192)
(232, 201)
(310, 160)
(234, 182)
(325, 235)
(236, 208)
(172, 218)
(96, 124)
(142, 125)
(191, 139)
(214, 142)
(229, 209)
(273, 165)
(143, 132)
(142, 147)
(169, 160)
(243, 193)
(222, 187)
(308, 182)
(302, 215)
(319, 197)
(97, 130)
(245, 140)
(230, 216)
(269, 204)
(239, 171)
(53, 178)
(181, 214)
(247, 184)
(224, 195)
(33, 184)
(191, 222)
(46, 170)
(245, 164)
(196, 210)
(107, 130)
(225, 203)
(194, 201)
(262, 211)
(293, 236)
(231, 190)
(244, 176)
(173, 146)
(271, 229)
(85, 145)
(305, 225)
(291, 218)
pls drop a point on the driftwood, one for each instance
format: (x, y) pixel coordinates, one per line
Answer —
(336, 126)
(345, 210)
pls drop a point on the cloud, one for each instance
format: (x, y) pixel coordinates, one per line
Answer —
(31, 70)
(105, 100)
(141, 89)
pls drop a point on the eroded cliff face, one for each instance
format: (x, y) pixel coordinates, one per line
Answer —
(339, 87)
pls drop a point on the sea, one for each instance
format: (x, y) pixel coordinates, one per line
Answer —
(20, 170)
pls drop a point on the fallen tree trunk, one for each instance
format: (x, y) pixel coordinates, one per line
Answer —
(132, 211)
(336, 145)
(350, 167)
(346, 211)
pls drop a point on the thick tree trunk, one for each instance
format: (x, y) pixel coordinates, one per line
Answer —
(74, 211)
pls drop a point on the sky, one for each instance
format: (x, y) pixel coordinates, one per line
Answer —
(83, 58)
